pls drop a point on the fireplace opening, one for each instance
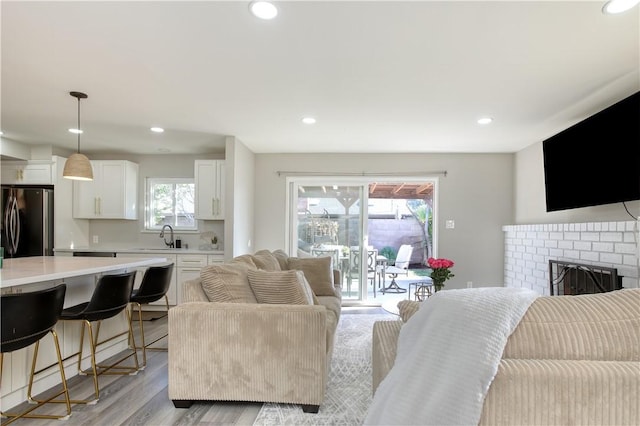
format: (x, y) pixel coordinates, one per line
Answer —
(570, 278)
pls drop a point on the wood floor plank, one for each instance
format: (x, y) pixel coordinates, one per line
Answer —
(143, 399)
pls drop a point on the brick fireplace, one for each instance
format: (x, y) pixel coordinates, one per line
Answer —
(528, 249)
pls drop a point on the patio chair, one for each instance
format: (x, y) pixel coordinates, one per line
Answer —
(401, 266)
(372, 259)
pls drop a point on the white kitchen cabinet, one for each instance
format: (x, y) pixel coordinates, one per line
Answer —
(26, 173)
(172, 293)
(189, 266)
(113, 193)
(213, 259)
(209, 181)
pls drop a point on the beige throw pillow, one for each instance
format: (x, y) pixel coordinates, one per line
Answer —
(280, 287)
(283, 259)
(266, 261)
(317, 271)
(227, 282)
(246, 259)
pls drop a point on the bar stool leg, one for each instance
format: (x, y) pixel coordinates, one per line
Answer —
(40, 402)
(146, 346)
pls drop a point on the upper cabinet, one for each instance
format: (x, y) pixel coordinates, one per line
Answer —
(26, 173)
(209, 179)
(113, 193)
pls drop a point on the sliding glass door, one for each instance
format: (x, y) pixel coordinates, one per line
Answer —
(326, 219)
(361, 222)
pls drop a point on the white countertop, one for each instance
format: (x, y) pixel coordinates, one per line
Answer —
(28, 270)
(145, 250)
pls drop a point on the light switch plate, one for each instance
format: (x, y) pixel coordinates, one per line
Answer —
(450, 224)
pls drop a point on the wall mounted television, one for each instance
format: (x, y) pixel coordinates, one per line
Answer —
(596, 161)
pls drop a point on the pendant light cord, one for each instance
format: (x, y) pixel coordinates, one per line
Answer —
(79, 130)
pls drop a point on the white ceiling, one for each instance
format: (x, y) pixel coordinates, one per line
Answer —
(379, 77)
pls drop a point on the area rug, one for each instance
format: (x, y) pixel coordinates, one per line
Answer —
(349, 387)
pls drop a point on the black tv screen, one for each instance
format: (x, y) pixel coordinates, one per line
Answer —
(596, 161)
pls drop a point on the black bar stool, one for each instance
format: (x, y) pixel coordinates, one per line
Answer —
(27, 318)
(154, 286)
(110, 297)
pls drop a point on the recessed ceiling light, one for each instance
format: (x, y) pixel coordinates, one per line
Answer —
(309, 120)
(75, 131)
(618, 6)
(263, 9)
(157, 129)
(485, 120)
(1, 133)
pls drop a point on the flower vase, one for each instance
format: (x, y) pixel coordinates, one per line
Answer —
(437, 285)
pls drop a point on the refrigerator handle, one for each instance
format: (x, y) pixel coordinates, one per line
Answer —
(45, 228)
(12, 222)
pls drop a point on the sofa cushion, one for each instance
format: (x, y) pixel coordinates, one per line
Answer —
(227, 282)
(264, 260)
(280, 287)
(318, 272)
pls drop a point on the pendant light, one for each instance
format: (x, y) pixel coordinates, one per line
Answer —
(78, 166)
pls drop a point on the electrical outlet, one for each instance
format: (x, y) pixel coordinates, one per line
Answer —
(450, 224)
(96, 239)
(469, 284)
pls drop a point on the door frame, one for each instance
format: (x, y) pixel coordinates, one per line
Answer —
(319, 179)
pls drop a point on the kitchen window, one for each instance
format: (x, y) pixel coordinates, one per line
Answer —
(170, 201)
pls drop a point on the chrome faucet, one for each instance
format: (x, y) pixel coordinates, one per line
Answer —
(170, 243)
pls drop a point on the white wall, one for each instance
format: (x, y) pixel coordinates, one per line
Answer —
(130, 233)
(239, 198)
(477, 193)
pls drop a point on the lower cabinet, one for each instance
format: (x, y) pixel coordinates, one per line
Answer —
(189, 266)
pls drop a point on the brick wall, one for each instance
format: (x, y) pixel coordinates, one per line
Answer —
(528, 249)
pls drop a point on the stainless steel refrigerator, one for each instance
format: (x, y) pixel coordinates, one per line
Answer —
(27, 221)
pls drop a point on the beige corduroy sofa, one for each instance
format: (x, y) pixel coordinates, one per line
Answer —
(239, 349)
(572, 360)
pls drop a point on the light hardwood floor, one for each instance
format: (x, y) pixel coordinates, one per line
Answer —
(143, 399)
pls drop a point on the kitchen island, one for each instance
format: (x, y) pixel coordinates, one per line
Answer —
(50, 269)
(80, 275)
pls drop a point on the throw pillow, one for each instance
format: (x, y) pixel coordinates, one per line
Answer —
(280, 287)
(245, 258)
(317, 270)
(407, 308)
(227, 282)
(283, 259)
(266, 261)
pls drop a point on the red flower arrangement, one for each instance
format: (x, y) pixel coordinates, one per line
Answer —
(440, 271)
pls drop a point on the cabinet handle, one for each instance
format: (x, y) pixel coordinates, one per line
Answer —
(191, 261)
(100, 205)
(20, 174)
(95, 205)
(189, 270)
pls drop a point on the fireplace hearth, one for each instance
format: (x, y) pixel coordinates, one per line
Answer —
(571, 278)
